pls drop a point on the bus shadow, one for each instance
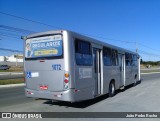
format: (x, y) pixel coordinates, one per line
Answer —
(82, 104)
(87, 103)
(129, 86)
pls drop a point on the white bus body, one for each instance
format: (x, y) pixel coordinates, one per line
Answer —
(66, 66)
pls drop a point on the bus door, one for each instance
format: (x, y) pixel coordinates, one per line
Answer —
(97, 70)
(122, 69)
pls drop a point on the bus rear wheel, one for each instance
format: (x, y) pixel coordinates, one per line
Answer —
(111, 89)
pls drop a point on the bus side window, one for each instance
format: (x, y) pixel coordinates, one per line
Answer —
(114, 57)
(127, 58)
(83, 53)
(131, 59)
(134, 60)
(107, 57)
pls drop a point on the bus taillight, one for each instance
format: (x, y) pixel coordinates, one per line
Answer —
(66, 75)
(66, 84)
(66, 81)
(30, 93)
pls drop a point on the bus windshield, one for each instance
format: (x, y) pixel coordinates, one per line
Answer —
(46, 47)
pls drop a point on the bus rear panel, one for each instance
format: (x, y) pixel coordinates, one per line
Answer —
(46, 75)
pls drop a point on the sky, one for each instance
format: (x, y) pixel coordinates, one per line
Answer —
(129, 24)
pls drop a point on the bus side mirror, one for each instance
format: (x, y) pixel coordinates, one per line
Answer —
(141, 61)
(23, 37)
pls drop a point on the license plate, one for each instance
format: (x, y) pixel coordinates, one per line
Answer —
(43, 87)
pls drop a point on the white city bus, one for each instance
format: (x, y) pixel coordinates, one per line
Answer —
(67, 66)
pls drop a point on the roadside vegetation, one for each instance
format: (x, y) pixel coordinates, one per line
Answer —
(11, 81)
(13, 69)
(152, 63)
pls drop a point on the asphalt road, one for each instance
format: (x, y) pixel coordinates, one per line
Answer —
(144, 97)
(12, 96)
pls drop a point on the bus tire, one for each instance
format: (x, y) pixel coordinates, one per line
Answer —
(112, 89)
(135, 80)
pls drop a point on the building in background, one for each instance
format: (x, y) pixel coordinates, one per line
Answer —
(13, 60)
(2, 58)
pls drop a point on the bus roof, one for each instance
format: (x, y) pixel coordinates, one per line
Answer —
(77, 35)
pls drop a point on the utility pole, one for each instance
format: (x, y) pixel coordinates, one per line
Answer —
(16, 59)
(136, 47)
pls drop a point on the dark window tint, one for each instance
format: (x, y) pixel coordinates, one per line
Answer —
(83, 53)
(131, 59)
(114, 57)
(127, 58)
(82, 47)
(134, 59)
(107, 56)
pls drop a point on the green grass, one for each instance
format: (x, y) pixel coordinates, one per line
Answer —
(11, 81)
(13, 69)
(10, 70)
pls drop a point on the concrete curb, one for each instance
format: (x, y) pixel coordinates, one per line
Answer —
(150, 73)
(12, 85)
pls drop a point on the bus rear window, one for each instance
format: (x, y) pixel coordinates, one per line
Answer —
(47, 47)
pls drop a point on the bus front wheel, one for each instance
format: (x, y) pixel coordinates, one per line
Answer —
(111, 89)
(135, 80)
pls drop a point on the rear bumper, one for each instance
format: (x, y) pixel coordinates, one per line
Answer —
(68, 95)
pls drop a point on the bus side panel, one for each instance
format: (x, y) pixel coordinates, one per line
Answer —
(117, 76)
(134, 73)
(131, 72)
(107, 72)
(85, 82)
(110, 73)
(128, 75)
